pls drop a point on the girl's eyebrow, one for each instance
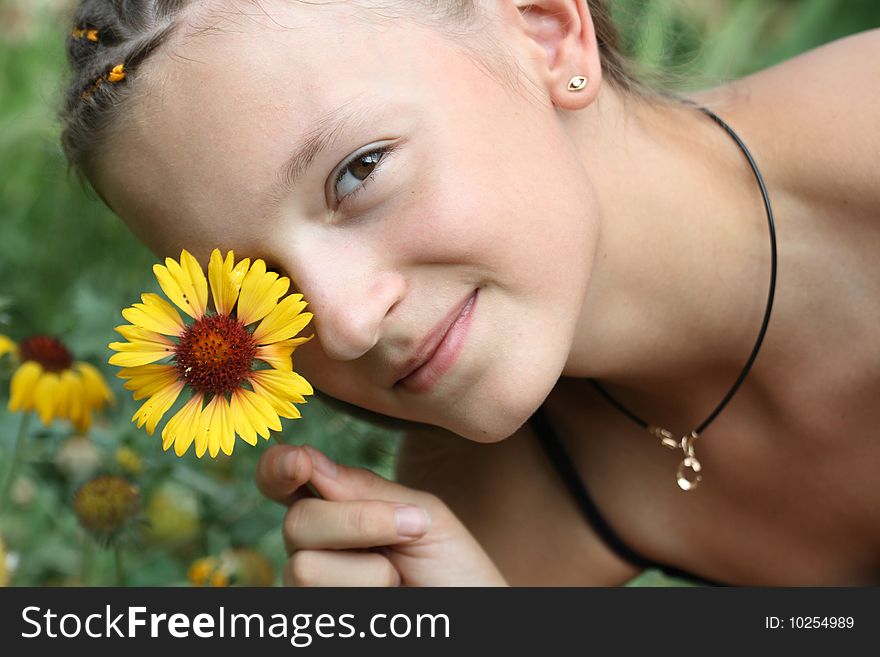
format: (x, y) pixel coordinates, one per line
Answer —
(316, 140)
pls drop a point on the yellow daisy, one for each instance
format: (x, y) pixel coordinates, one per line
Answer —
(51, 383)
(234, 357)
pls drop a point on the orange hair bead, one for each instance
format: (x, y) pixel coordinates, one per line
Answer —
(117, 74)
(83, 33)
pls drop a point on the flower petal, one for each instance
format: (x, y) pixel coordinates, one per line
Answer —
(243, 419)
(184, 283)
(79, 410)
(185, 426)
(24, 382)
(143, 347)
(281, 389)
(138, 334)
(260, 291)
(278, 355)
(285, 321)
(226, 280)
(84, 422)
(152, 410)
(221, 433)
(96, 390)
(155, 314)
(46, 396)
(72, 396)
(141, 352)
(289, 384)
(253, 414)
(148, 380)
(6, 345)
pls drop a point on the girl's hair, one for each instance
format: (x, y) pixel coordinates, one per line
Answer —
(108, 33)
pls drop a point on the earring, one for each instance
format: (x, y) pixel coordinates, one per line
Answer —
(577, 83)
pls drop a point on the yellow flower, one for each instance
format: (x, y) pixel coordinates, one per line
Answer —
(236, 358)
(106, 504)
(206, 571)
(51, 383)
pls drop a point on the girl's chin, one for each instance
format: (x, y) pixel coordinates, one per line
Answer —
(492, 428)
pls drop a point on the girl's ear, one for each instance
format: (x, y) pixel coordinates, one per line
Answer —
(560, 33)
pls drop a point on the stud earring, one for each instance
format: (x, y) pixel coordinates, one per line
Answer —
(577, 83)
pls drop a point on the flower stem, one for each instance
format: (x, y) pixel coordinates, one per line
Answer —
(16, 460)
(120, 571)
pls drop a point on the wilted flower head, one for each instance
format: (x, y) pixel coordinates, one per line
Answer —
(105, 505)
(50, 382)
(234, 356)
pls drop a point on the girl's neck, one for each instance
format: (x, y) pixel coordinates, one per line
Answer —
(682, 267)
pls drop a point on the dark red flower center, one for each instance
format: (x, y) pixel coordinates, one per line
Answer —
(215, 354)
(47, 351)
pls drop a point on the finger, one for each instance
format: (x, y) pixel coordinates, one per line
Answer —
(337, 568)
(334, 481)
(282, 473)
(317, 524)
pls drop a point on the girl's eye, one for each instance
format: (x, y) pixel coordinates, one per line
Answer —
(353, 175)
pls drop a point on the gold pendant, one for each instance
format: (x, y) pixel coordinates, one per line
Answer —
(688, 474)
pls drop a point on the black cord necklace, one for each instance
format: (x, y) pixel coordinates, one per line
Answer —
(688, 475)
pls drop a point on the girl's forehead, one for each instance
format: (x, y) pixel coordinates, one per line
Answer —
(323, 26)
(260, 55)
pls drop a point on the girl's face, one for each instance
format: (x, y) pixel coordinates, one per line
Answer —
(419, 180)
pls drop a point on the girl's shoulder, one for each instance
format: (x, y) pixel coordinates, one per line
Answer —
(813, 120)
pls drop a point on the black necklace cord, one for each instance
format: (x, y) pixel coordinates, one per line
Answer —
(688, 472)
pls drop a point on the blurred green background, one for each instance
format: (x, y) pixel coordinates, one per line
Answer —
(68, 267)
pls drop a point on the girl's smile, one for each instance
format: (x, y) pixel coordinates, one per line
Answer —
(439, 350)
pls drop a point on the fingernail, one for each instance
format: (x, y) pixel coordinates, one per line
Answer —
(412, 521)
(288, 465)
(322, 464)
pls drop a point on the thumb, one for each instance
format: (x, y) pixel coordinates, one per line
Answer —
(336, 482)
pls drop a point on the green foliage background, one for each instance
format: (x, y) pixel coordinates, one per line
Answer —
(68, 266)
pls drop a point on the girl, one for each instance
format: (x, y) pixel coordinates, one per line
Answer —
(565, 286)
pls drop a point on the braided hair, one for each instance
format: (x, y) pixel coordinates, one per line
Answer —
(108, 41)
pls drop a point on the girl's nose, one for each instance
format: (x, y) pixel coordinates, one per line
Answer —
(350, 308)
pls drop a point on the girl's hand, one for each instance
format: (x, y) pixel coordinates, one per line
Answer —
(366, 531)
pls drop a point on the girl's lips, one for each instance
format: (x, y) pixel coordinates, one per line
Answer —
(423, 378)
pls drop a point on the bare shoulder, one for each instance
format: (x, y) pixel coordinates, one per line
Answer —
(509, 498)
(816, 117)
